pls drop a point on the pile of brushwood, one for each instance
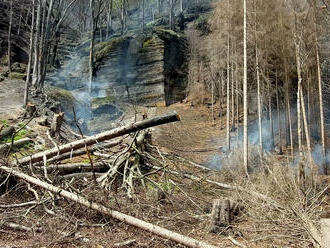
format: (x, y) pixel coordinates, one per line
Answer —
(268, 208)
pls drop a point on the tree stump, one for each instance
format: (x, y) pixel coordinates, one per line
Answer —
(56, 124)
(30, 109)
(222, 215)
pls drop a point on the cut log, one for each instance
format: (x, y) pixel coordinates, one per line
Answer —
(56, 125)
(15, 144)
(160, 231)
(117, 132)
(7, 131)
(81, 152)
(222, 216)
(78, 167)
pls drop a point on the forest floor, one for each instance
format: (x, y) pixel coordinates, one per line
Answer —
(185, 209)
(11, 98)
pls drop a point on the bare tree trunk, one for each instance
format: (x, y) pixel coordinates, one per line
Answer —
(232, 89)
(36, 47)
(309, 149)
(288, 106)
(322, 124)
(278, 115)
(270, 112)
(299, 129)
(228, 78)
(245, 92)
(237, 93)
(28, 73)
(258, 87)
(309, 118)
(221, 94)
(143, 14)
(9, 36)
(91, 48)
(171, 14)
(212, 89)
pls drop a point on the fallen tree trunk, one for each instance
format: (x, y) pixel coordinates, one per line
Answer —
(117, 132)
(78, 167)
(160, 231)
(16, 143)
(81, 152)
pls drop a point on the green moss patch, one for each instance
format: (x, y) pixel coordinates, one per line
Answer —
(63, 96)
(16, 75)
(104, 48)
(97, 102)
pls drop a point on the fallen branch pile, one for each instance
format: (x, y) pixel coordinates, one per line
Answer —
(125, 165)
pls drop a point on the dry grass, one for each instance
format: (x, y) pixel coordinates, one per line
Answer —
(290, 214)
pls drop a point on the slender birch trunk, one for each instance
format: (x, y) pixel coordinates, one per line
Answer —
(9, 36)
(308, 141)
(28, 74)
(270, 112)
(237, 93)
(228, 78)
(36, 46)
(278, 114)
(302, 175)
(322, 124)
(258, 89)
(221, 88)
(245, 92)
(91, 49)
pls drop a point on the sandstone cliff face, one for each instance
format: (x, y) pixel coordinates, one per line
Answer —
(145, 70)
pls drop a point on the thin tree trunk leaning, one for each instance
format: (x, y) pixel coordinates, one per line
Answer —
(28, 72)
(117, 132)
(160, 231)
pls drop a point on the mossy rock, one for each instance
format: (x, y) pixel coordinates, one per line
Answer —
(17, 75)
(99, 101)
(169, 33)
(104, 48)
(18, 67)
(67, 100)
(148, 42)
(4, 60)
